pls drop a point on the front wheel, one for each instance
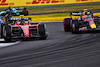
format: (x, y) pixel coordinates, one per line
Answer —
(42, 31)
(66, 24)
(1, 30)
(3, 14)
(7, 33)
(75, 27)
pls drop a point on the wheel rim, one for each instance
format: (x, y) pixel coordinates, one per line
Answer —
(4, 31)
(73, 27)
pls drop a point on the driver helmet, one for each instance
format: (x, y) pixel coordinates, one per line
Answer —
(85, 12)
(22, 22)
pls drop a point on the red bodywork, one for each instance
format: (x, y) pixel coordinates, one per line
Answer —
(25, 27)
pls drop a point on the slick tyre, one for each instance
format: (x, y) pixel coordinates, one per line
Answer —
(66, 24)
(42, 29)
(3, 14)
(75, 26)
(7, 33)
(1, 30)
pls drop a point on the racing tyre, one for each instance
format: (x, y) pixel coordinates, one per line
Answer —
(7, 33)
(3, 14)
(1, 30)
(75, 26)
(66, 24)
(26, 13)
(42, 29)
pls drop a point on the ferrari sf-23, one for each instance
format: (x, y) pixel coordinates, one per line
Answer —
(17, 28)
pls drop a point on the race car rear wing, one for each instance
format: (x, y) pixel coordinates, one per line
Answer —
(19, 18)
(79, 13)
(18, 8)
(75, 13)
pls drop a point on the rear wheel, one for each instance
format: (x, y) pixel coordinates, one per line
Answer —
(25, 13)
(66, 24)
(7, 33)
(75, 27)
(1, 30)
(3, 14)
(42, 29)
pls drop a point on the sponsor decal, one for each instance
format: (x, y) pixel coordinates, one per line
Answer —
(3, 2)
(45, 1)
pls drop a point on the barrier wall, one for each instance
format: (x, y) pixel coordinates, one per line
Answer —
(18, 3)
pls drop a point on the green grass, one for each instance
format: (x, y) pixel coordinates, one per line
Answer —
(56, 9)
(39, 8)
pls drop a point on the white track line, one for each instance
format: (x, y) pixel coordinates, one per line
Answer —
(2, 40)
(8, 44)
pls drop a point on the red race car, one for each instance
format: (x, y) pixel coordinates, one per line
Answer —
(22, 28)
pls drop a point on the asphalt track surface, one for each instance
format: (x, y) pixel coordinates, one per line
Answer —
(61, 49)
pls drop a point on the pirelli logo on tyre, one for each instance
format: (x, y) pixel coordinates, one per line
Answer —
(3, 2)
(45, 1)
